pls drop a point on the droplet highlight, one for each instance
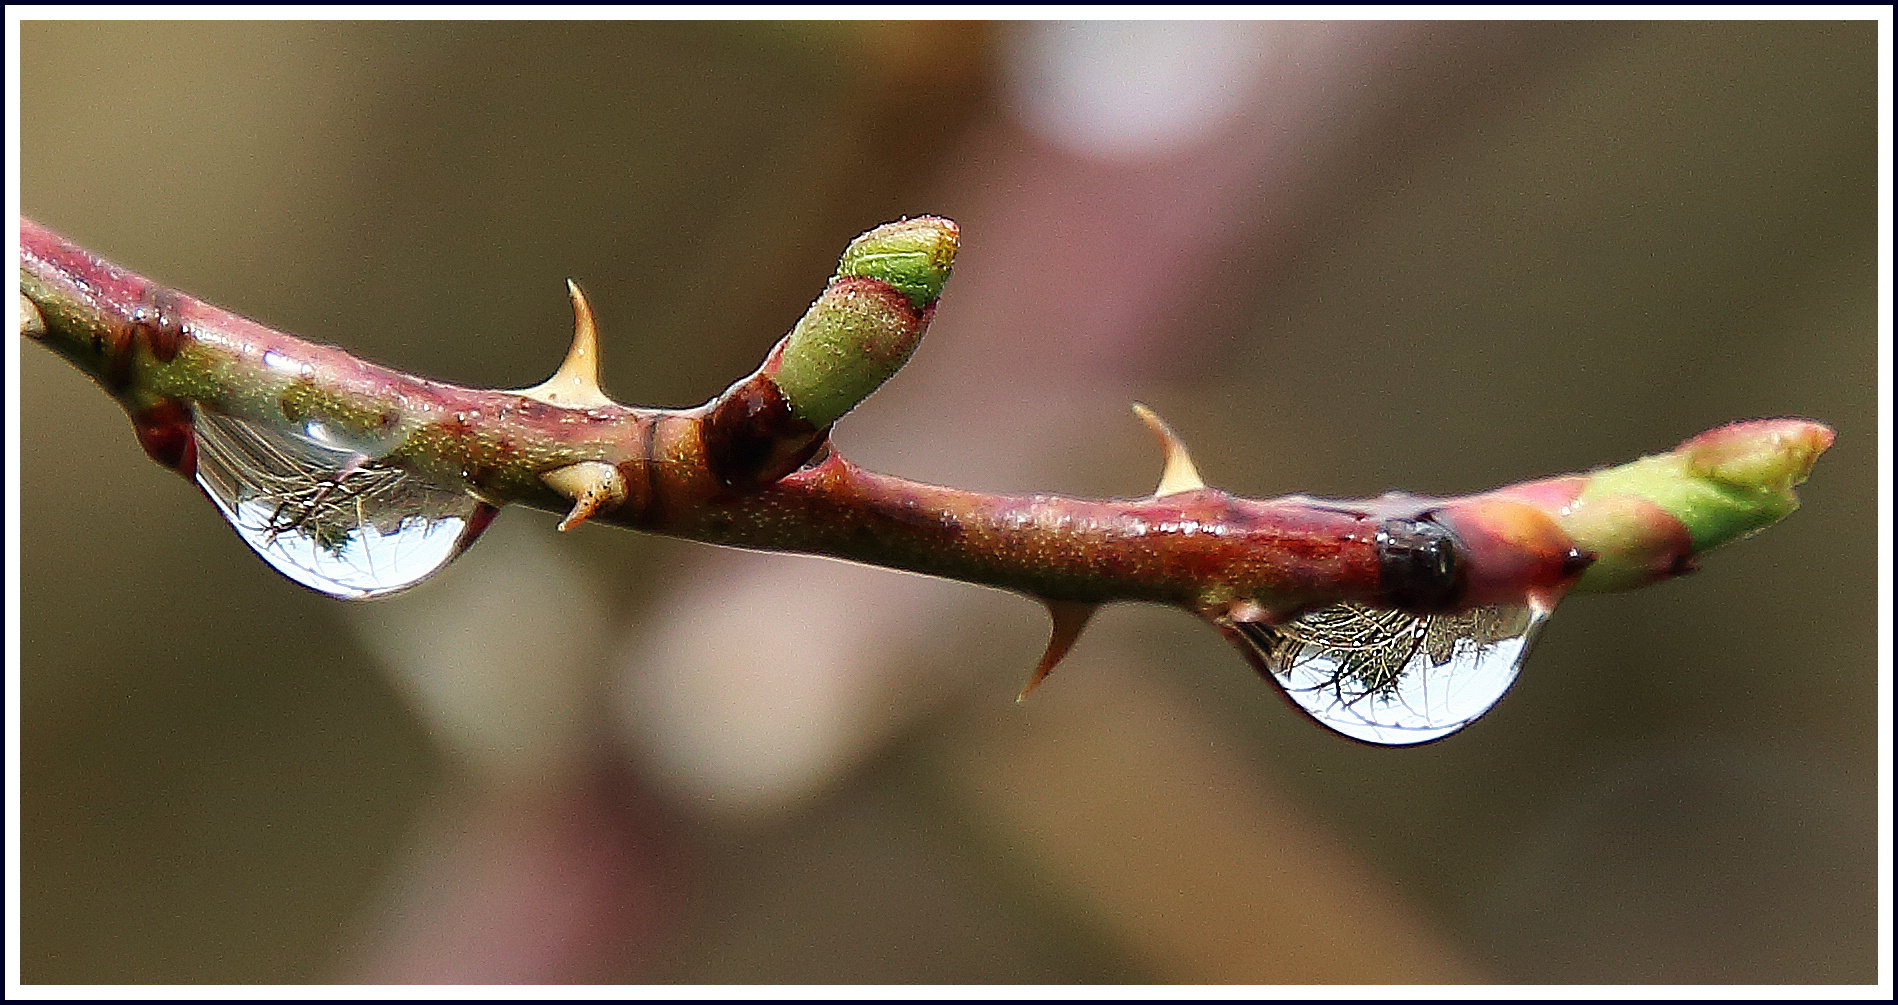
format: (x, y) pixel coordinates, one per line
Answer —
(328, 515)
(1391, 678)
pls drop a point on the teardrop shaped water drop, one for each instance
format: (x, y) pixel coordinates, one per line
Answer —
(328, 516)
(1391, 678)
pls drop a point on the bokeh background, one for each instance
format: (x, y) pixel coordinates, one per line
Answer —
(1340, 258)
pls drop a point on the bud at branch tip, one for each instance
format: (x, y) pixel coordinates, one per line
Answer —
(864, 326)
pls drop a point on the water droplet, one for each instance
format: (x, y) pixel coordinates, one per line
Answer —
(1393, 678)
(329, 516)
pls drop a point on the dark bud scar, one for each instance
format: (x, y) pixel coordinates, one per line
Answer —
(752, 439)
(1577, 562)
(1419, 569)
(156, 323)
(164, 430)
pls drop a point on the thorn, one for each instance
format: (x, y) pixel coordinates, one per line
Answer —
(1248, 610)
(32, 323)
(1178, 475)
(1069, 618)
(592, 485)
(1543, 601)
(1247, 625)
(577, 383)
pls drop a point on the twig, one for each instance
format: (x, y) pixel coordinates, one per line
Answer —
(752, 467)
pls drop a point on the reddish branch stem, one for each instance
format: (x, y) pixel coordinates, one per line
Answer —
(712, 473)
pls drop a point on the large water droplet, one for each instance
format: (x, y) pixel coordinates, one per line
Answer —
(327, 515)
(1392, 678)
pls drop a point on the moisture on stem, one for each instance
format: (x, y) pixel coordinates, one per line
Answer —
(1393, 620)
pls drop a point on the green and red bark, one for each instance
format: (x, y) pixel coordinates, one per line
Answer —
(752, 467)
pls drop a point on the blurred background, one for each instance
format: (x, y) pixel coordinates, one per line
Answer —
(1340, 258)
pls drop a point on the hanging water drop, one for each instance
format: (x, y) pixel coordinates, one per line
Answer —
(1391, 678)
(328, 515)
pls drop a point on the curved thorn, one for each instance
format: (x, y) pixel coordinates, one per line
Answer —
(592, 485)
(1069, 618)
(577, 383)
(1179, 474)
(32, 323)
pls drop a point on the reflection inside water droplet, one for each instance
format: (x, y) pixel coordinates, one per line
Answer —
(327, 515)
(1393, 678)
